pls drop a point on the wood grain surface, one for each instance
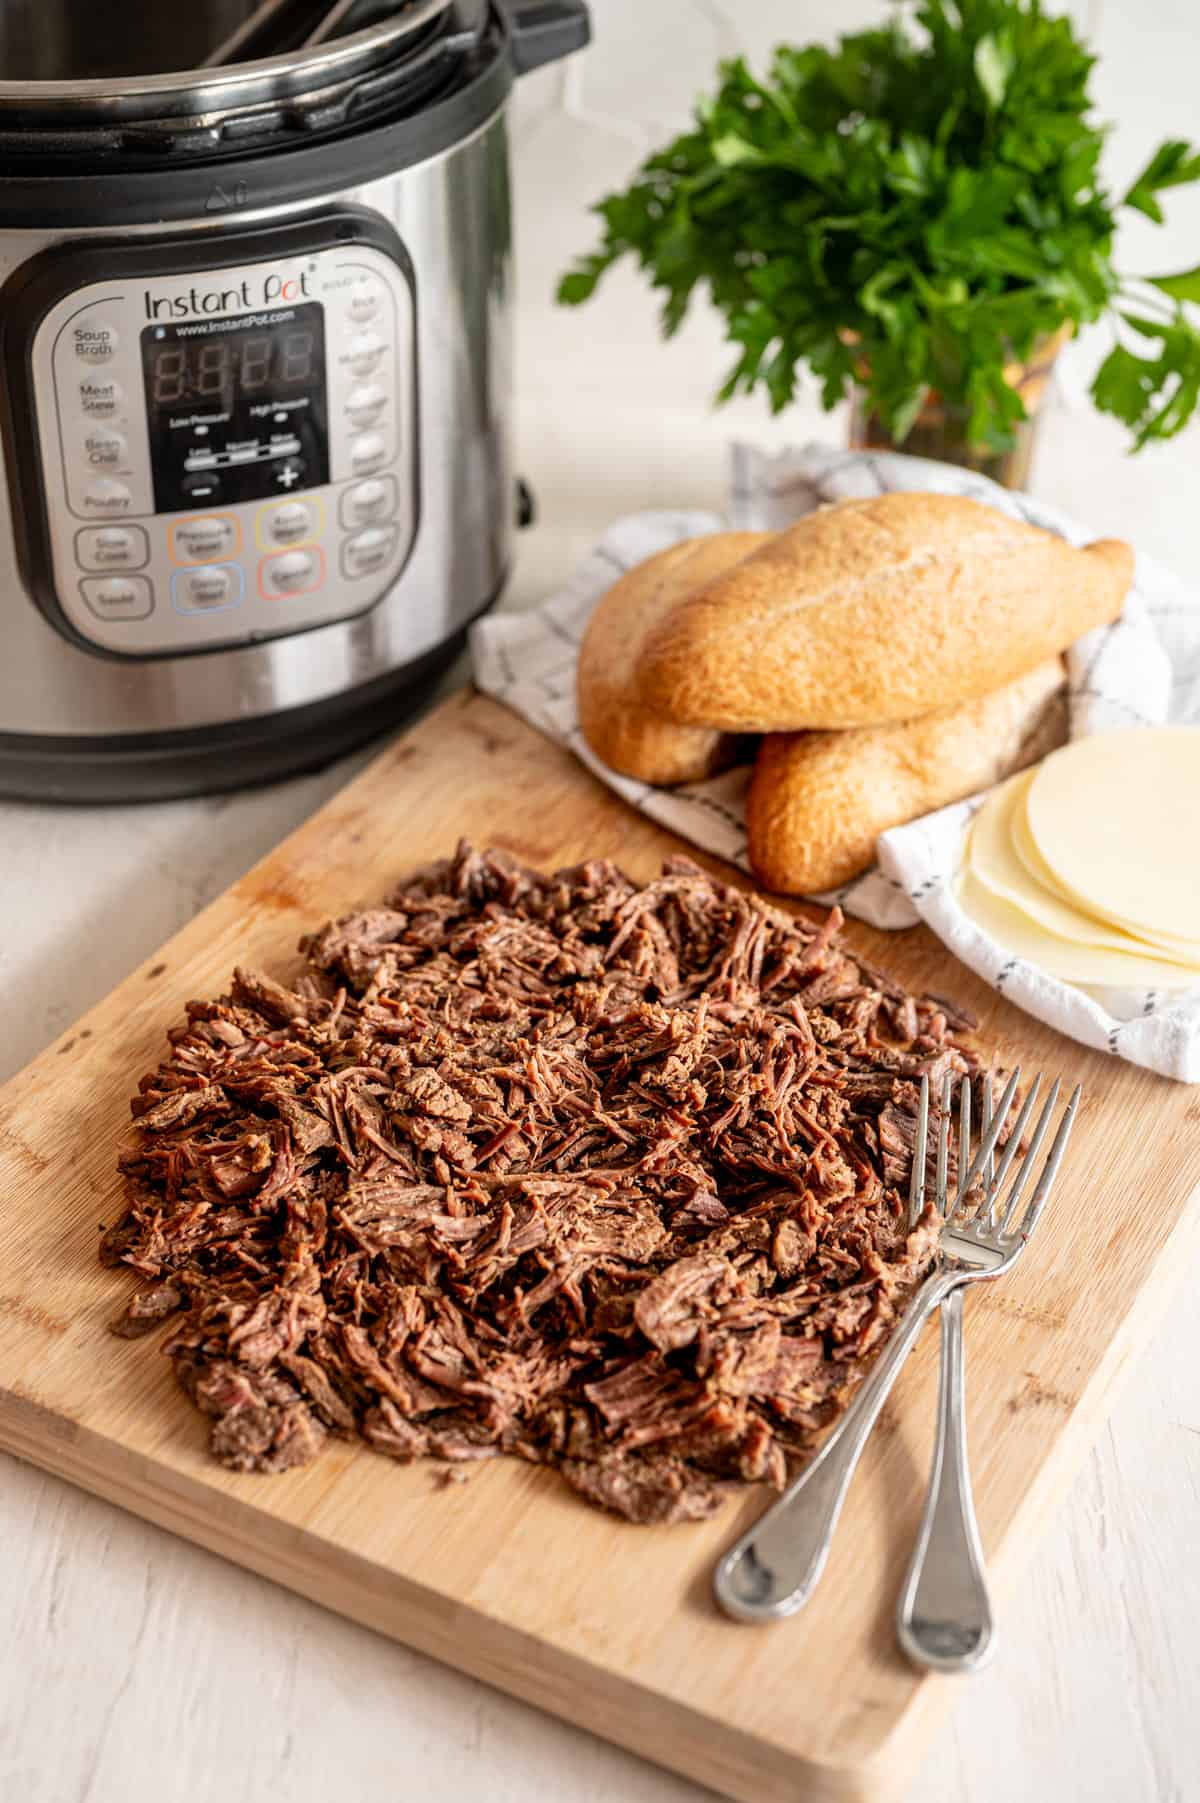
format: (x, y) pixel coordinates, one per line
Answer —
(509, 1576)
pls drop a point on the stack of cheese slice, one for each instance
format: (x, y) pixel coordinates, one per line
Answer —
(1089, 866)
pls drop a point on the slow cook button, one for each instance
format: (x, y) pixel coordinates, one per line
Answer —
(100, 396)
(111, 548)
(118, 597)
(365, 403)
(104, 496)
(291, 573)
(368, 552)
(206, 588)
(374, 499)
(367, 452)
(204, 538)
(93, 339)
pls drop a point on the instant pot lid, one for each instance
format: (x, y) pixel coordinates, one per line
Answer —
(219, 69)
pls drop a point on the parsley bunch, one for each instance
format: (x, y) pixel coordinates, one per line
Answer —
(915, 209)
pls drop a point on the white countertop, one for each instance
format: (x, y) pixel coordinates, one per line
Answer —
(138, 1667)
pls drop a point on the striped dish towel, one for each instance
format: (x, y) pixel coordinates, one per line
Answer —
(1142, 670)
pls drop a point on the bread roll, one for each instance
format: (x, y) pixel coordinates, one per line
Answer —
(617, 725)
(874, 611)
(819, 800)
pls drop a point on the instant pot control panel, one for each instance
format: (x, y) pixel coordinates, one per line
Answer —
(214, 442)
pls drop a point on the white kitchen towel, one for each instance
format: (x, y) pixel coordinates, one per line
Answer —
(1142, 670)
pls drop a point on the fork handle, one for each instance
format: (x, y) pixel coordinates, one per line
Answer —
(773, 1569)
(944, 1616)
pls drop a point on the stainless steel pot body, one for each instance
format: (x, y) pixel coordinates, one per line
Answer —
(452, 214)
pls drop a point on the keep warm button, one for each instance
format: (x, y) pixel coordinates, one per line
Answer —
(368, 552)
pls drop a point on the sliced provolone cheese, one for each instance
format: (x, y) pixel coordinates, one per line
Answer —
(1016, 932)
(1113, 815)
(1008, 870)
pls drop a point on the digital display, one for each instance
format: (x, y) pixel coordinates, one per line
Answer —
(236, 407)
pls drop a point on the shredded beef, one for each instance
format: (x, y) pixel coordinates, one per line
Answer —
(606, 1177)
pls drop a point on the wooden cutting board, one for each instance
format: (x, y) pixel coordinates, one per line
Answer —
(509, 1576)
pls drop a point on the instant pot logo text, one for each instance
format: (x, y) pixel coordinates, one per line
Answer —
(198, 302)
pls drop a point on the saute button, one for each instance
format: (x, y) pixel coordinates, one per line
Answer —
(365, 403)
(209, 586)
(204, 538)
(100, 396)
(368, 552)
(94, 339)
(288, 524)
(118, 597)
(367, 452)
(363, 352)
(364, 298)
(374, 499)
(106, 496)
(112, 548)
(291, 573)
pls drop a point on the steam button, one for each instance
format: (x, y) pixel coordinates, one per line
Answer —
(366, 502)
(94, 339)
(118, 597)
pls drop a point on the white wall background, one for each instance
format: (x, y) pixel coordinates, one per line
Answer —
(580, 130)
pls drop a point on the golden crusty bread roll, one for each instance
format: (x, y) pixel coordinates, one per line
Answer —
(877, 610)
(619, 727)
(819, 800)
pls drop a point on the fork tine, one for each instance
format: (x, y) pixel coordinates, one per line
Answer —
(964, 1139)
(987, 1143)
(916, 1188)
(1014, 1141)
(1017, 1188)
(1054, 1158)
(943, 1145)
(985, 1121)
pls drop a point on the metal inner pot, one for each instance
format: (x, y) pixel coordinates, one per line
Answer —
(71, 63)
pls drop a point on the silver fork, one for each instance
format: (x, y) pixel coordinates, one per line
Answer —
(944, 1615)
(773, 1569)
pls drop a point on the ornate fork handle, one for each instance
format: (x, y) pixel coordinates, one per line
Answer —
(944, 1616)
(772, 1570)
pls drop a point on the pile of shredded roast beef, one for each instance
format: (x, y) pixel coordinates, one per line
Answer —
(612, 1178)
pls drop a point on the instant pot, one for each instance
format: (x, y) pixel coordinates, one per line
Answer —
(254, 374)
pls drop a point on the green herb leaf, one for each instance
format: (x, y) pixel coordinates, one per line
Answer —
(914, 209)
(1173, 165)
(993, 62)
